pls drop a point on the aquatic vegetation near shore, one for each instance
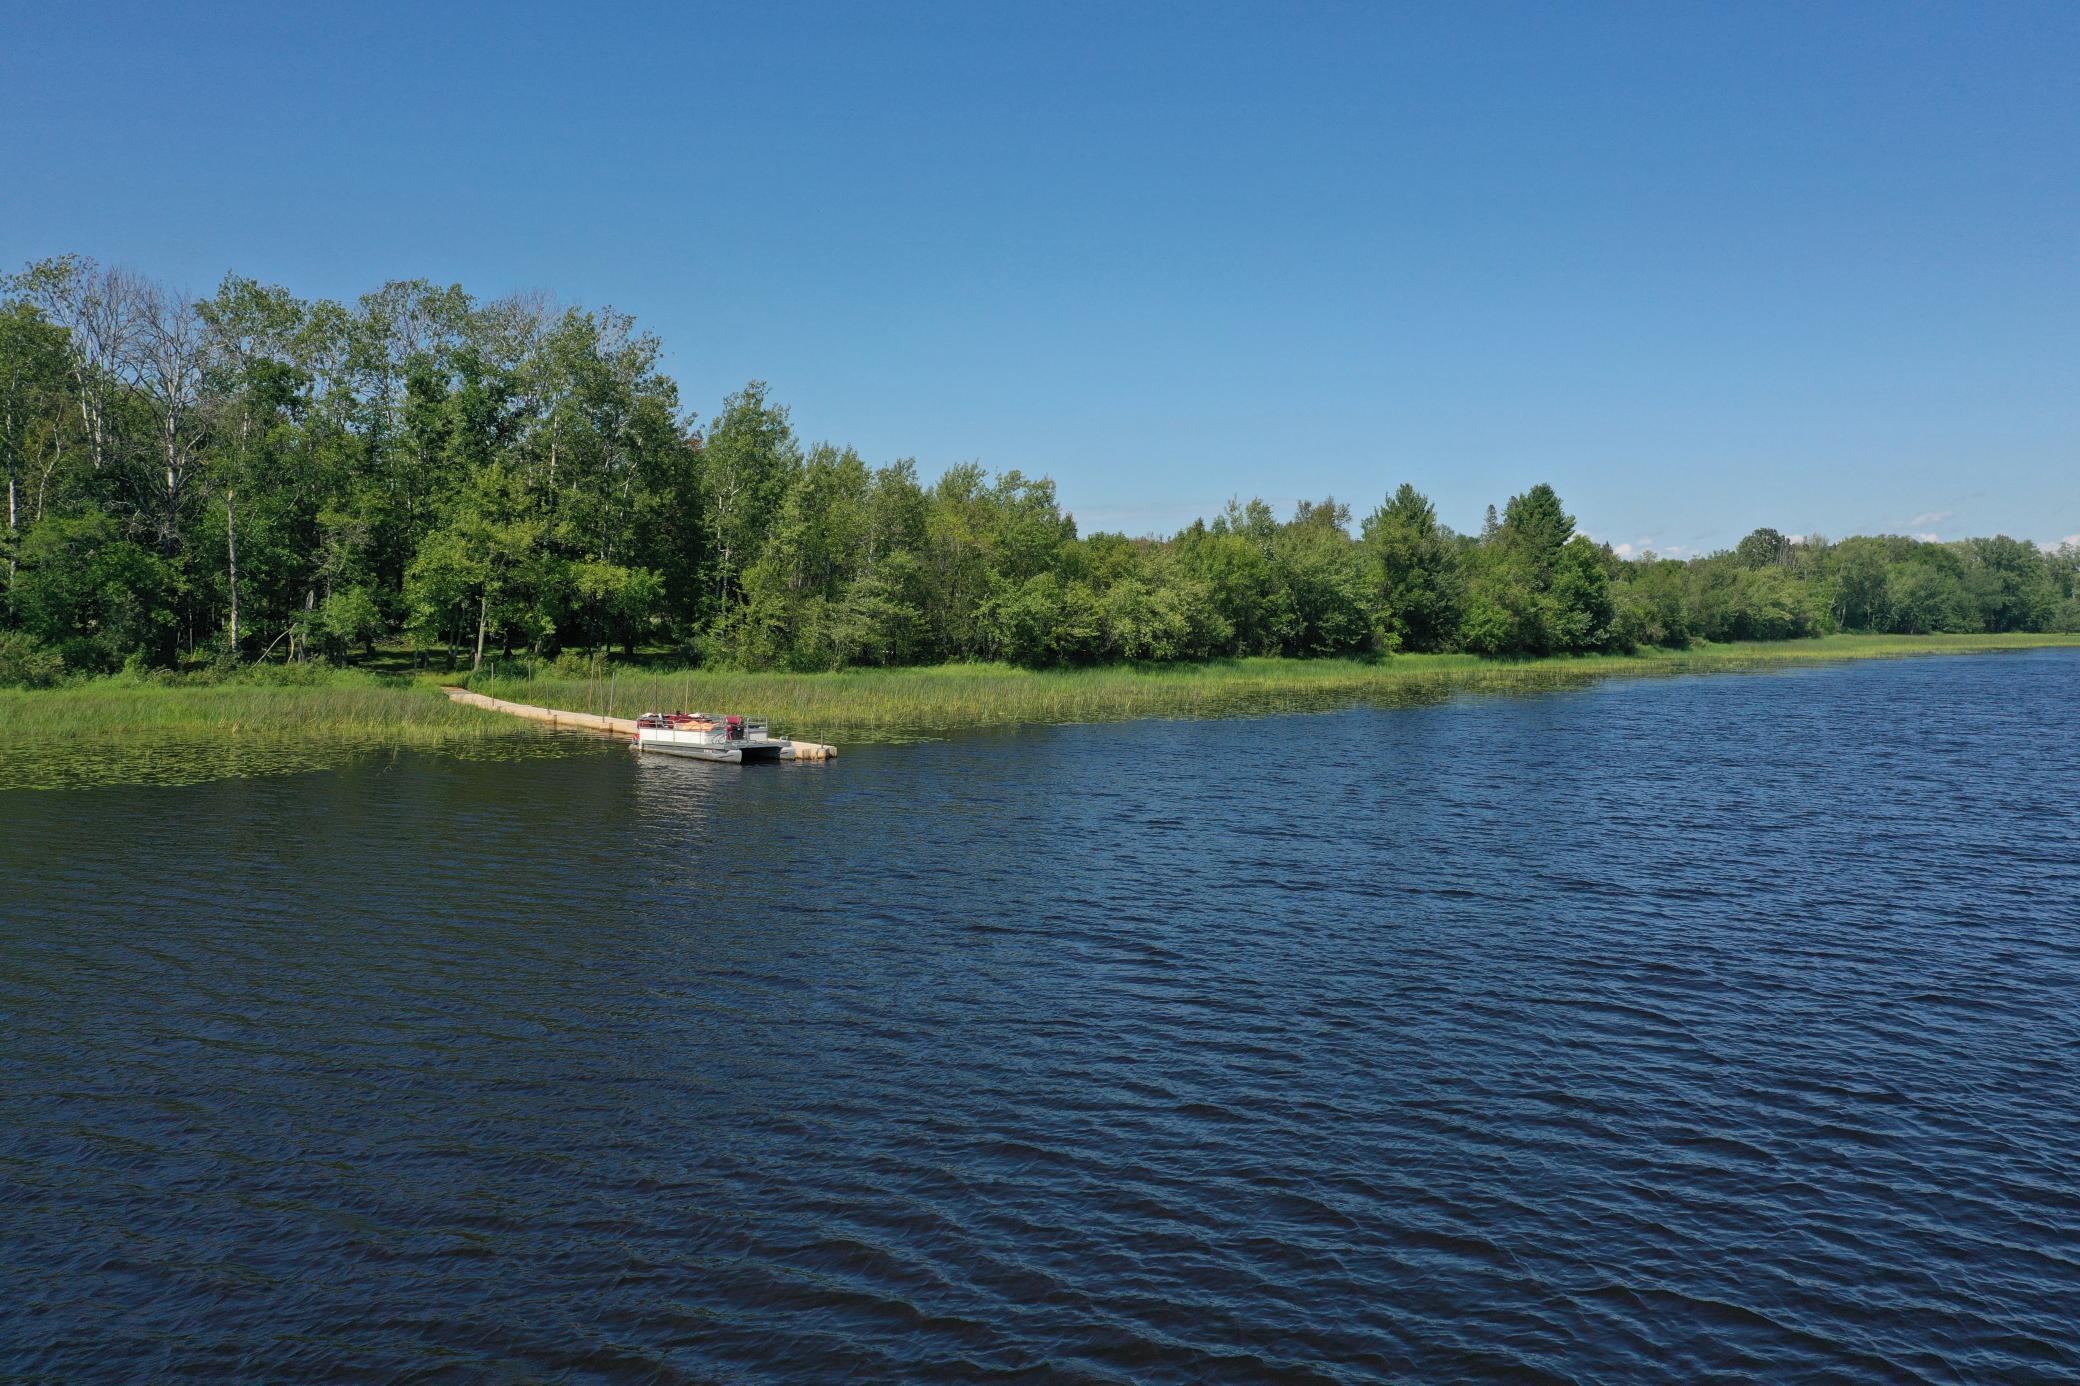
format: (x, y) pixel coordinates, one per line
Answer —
(119, 731)
(902, 704)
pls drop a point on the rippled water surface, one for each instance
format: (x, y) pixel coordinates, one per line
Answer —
(1667, 1030)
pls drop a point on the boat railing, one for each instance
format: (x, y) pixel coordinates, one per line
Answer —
(707, 726)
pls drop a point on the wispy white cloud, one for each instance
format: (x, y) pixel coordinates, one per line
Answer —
(2054, 545)
(1929, 537)
(1930, 519)
(1623, 550)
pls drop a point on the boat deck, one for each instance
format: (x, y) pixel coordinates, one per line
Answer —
(734, 752)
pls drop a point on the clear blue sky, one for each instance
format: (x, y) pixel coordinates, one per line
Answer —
(1702, 267)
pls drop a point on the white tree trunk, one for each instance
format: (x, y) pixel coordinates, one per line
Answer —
(231, 553)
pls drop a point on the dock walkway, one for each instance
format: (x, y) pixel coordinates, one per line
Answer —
(611, 726)
(586, 721)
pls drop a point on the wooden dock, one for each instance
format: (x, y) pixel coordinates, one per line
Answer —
(609, 726)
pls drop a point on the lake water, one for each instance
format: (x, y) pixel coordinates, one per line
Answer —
(1672, 1029)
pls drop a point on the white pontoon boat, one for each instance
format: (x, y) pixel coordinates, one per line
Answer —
(702, 736)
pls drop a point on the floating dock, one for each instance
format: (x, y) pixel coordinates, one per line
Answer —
(610, 726)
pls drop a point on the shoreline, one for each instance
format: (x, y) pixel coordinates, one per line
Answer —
(337, 715)
(906, 704)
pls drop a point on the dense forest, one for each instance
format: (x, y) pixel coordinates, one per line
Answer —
(255, 477)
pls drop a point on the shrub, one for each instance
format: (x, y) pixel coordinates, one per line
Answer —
(571, 664)
(24, 663)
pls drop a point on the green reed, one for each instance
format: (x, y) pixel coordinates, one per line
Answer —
(893, 704)
(408, 713)
(126, 731)
(123, 730)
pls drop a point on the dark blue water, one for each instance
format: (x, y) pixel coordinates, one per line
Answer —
(1671, 1030)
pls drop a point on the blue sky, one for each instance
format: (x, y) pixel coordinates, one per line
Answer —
(1701, 267)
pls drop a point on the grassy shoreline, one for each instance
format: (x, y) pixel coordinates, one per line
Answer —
(895, 704)
(118, 731)
(185, 731)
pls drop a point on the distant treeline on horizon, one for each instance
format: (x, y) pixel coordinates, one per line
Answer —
(253, 476)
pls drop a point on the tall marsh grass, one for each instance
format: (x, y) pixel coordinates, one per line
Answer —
(894, 704)
(128, 730)
(346, 705)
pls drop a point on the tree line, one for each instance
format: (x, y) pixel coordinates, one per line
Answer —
(255, 477)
